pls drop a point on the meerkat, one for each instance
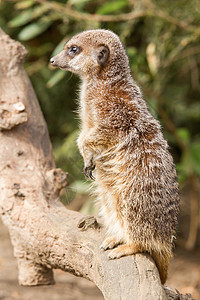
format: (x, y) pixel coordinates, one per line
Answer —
(123, 150)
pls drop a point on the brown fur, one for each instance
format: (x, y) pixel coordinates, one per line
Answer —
(136, 182)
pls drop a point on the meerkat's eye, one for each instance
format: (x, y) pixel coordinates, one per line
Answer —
(73, 50)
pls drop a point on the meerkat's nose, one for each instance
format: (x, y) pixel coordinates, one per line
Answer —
(53, 61)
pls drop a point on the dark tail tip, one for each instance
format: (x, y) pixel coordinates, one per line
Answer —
(162, 262)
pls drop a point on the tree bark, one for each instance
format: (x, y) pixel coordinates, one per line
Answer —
(44, 234)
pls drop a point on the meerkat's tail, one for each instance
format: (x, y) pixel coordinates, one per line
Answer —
(162, 262)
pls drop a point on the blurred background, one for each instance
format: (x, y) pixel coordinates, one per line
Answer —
(162, 39)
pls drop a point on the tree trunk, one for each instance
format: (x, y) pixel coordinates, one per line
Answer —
(44, 234)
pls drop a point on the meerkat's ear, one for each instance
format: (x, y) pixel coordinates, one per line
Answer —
(102, 55)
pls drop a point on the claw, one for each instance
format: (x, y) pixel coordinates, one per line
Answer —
(123, 250)
(88, 172)
(91, 175)
(110, 243)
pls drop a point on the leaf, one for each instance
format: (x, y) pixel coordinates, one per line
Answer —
(186, 164)
(33, 30)
(59, 75)
(184, 134)
(21, 19)
(112, 7)
(195, 152)
(131, 51)
(75, 2)
(28, 16)
(190, 161)
(152, 58)
(24, 4)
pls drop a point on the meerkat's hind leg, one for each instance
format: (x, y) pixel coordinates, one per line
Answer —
(123, 250)
(110, 242)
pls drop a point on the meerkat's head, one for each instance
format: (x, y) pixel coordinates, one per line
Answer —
(92, 52)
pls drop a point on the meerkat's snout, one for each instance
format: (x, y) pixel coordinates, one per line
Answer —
(60, 60)
(52, 61)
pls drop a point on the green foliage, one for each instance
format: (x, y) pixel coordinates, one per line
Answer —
(111, 7)
(163, 47)
(60, 74)
(33, 30)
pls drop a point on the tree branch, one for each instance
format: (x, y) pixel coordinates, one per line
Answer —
(44, 234)
(151, 11)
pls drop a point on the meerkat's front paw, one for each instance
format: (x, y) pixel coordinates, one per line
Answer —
(110, 243)
(123, 250)
(88, 169)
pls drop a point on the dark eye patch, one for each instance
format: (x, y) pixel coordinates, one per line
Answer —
(74, 50)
